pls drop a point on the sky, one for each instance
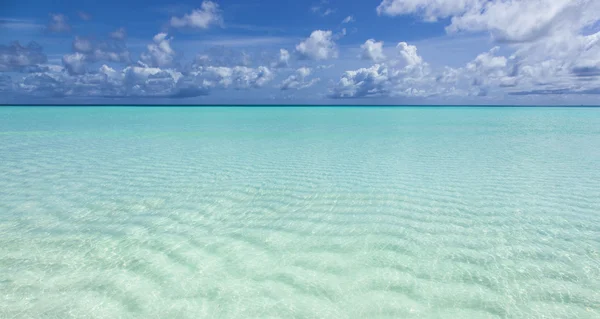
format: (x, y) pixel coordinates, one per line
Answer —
(465, 52)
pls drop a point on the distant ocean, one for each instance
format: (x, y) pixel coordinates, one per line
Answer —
(289, 212)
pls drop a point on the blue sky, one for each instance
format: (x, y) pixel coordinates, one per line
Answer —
(322, 52)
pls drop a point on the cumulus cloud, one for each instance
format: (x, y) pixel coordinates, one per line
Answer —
(58, 23)
(159, 54)
(144, 80)
(87, 51)
(75, 63)
(555, 44)
(42, 84)
(372, 51)
(538, 68)
(364, 82)
(319, 46)
(408, 75)
(298, 80)
(208, 14)
(18, 58)
(136, 80)
(408, 54)
(155, 75)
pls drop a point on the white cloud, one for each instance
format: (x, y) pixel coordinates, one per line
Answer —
(58, 23)
(298, 80)
(136, 80)
(238, 77)
(328, 11)
(150, 81)
(94, 51)
(42, 84)
(321, 9)
(430, 9)
(159, 54)
(16, 57)
(364, 82)
(75, 63)
(19, 24)
(319, 46)
(325, 67)
(223, 56)
(372, 51)
(556, 44)
(139, 80)
(408, 76)
(283, 60)
(545, 67)
(348, 19)
(119, 34)
(408, 54)
(82, 45)
(208, 14)
(512, 21)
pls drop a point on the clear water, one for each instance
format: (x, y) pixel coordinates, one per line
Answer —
(299, 212)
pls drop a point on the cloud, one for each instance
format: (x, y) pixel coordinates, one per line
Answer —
(242, 41)
(348, 19)
(42, 84)
(372, 51)
(77, 79)
(408, 54)
(507, 21)
(132, 81)
(322, 9)
(408, 75)
(84, 16)
(562, 66)
(283, 61)
(17, 58)
(75, 63)
(143, 80)
(222, 56)
(6, 83)
(324, 67)
(364, 82)
(18, 24)
(88, 51)
(328, 11)
(208, 14)
(238, 77)
(58, 23)
(159, 54)
(431, 10)
(298, 80)
(119, 34)
(319, 46)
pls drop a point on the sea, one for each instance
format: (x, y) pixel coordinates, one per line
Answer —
(299, 212)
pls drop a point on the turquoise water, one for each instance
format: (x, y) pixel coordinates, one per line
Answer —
(299, 212)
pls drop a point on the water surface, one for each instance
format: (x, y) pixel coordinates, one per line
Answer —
(299, 212)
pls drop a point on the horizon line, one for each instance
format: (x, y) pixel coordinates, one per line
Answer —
(291, 105)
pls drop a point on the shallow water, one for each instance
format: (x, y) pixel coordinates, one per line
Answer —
(299, 212)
